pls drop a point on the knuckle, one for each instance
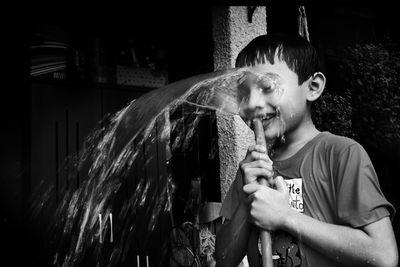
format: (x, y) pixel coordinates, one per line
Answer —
(247, 174)
(261, 162)
(266, 174)
(266, 159)
(267, 165)
(241, 164)
(244, 168)
(260, 148)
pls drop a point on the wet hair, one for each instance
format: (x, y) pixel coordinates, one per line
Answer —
(299, 54)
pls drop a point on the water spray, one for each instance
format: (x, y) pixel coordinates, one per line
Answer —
(113, 151)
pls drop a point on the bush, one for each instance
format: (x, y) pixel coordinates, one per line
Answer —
(372, 77)
(332, 112)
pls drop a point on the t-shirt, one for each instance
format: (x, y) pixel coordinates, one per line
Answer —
(331, 178)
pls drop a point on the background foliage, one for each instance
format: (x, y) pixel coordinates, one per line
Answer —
(372, 76)
(332, 112)
(368, 109)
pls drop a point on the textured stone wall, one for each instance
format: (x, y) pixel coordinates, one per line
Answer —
(232, 32)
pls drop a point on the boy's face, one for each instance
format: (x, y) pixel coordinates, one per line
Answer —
(272, 92)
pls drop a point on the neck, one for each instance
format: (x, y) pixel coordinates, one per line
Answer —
(295, 140)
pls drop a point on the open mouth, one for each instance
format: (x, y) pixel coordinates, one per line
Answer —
(267, 118)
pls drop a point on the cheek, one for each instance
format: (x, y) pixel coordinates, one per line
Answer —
(294, 102)
(292, 111)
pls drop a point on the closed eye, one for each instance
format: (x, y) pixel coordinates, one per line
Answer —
(268, 82)
(266, 85)
(266, 89)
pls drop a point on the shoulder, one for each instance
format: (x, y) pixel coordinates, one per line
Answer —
(338, 143)
(341, 148)
(336, 140)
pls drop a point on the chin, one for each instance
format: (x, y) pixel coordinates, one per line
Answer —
(274, 131)
(272, 134)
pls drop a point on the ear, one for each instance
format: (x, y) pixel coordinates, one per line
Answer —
(316, 86)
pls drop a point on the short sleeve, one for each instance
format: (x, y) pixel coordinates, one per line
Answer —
(233, 197)
(359, 198)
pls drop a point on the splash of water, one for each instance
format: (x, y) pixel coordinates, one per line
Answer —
(112, 152)
(108, 160)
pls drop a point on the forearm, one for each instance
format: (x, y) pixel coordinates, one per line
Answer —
(232, 238)
(347, 245)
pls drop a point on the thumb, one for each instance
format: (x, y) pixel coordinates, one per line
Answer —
(280, 184)
(251, 188)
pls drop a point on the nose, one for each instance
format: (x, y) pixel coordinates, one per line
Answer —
(255, 98)
(253, 103)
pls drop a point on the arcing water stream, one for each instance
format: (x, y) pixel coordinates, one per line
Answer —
(83, 216)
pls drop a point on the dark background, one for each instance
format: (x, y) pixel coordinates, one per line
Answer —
(185, 34)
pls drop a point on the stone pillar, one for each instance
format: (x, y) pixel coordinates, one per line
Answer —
(232, 32)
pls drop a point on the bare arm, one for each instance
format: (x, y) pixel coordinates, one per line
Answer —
(371, 245)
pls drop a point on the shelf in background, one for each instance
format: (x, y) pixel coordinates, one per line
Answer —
(79, 84)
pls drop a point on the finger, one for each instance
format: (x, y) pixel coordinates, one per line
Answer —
(263, 181)
(251, 174)
(280, 184)
(251, 148)
(259, 133)
(267, 180)
(251, 188)
(249, 157)
(258, 164)
(256, 148)
(260, 148)
(260, 156)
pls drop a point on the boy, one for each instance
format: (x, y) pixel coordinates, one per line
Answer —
(324, 206)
